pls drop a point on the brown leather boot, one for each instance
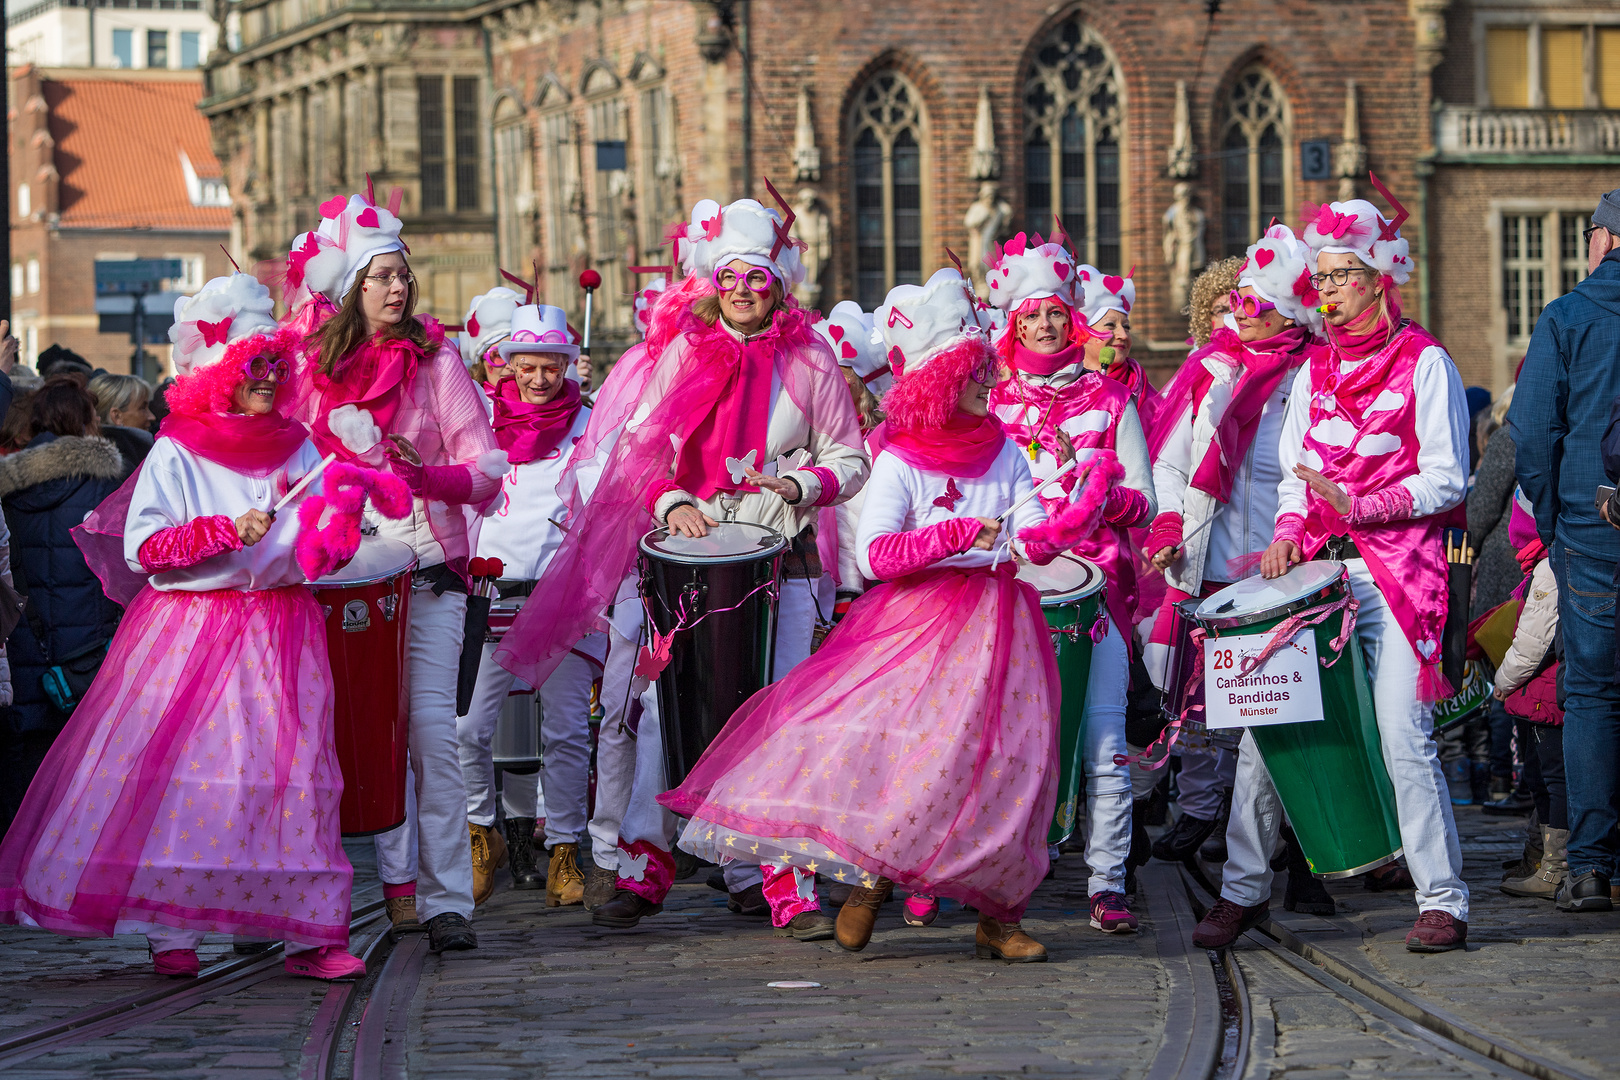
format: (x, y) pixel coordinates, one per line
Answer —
(997, 940)
(488, 856)
(565, 885)
(402, 916)
(859, 914)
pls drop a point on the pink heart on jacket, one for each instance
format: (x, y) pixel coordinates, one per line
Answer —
(835, 332)
(1061, 269)
(847, 351)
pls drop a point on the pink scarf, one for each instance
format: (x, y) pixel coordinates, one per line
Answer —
(252, 444)
(1264, 365)
(374, 378)
(966, 446)
(737, 420)
(1374, 334)
(527, 432)
(1031, 362)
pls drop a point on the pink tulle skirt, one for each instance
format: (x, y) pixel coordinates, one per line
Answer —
(196, 785)
(917, 744)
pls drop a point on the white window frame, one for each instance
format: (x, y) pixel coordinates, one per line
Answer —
(1506, 351)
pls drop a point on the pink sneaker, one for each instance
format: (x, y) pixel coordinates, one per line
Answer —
(920, 910)
(176, 963)
(326, 962)
(1110, 915)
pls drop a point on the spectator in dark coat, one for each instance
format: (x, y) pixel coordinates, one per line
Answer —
(1559, 416)
(46, 489)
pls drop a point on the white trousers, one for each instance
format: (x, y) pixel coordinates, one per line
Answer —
(1422, 803)
(1108, 785)
(522, 795)
(796, 620)
(630, 772)
(565, 740)
(1206, 775)
(431, 848)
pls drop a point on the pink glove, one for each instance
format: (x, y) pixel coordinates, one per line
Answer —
(894, 555)
(1165, 533)
(1125, 506)
(1393, 503)
(180, 546)
(446, 483)
(1289, 527)
(1528, 556)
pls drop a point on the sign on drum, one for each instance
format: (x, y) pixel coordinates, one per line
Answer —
(1283, 690)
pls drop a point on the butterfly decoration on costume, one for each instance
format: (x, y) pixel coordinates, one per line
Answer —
(631, 866)
(952, 494)
(741, 467)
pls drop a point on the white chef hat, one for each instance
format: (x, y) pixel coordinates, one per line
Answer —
(489, 319)
(744, 230)
(849, 331)
(1278, 268)
(225, 310)
(1357, 228)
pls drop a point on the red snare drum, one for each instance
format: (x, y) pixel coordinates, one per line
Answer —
(367, 607)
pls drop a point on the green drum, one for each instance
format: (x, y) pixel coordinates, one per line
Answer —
(1071, 591)
(1329, 773)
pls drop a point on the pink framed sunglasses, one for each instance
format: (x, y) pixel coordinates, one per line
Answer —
(758, 279)
(1250, 307)
(260, 368)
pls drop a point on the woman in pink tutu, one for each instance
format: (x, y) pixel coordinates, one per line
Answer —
(916, 747)
(195, 788)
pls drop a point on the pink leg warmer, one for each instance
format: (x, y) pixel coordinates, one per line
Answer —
(790, 892)
(646, 870)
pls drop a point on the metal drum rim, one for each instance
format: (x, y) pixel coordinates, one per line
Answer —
(1094, 585)
(1232, 622)
(326, 586)
(776, 548)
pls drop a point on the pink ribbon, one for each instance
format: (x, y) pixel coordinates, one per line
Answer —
(652, 659)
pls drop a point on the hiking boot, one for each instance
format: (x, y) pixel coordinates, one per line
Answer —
(750, 901)
(402, 916)
(1391, 877)
(488, 856)
(1437, 931)
(1184, 838)
(565, 885)
(859, 914)
(1305, 894)
(1227, 921)
(520, 849)
(1543, 883)
(1213, 850)
(1110, 915)
(997, 940)
(807, 926)
(600, 885)
(1585, 892)
(449, 932)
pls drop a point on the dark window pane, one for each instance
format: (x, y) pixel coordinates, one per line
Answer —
(1569, 246)
(1109, 215)
(1271, 178)
(1535, 298)
(157, 48)
(1510, 300)
(1510, 237)
(1037, 185)
(1235, 238)
(1532, 237)
(869, 243)
(430, 136)
(465, 95)
(1073, 166)
(907, 160)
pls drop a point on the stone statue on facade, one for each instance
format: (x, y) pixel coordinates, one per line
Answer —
(813, 226)
(987, 219)
(1183, 243)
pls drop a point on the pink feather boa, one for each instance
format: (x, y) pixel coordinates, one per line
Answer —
(1080, 518)
(926, 396)
(329, 524)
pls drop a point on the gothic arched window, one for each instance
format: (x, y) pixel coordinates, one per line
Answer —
(1074, 137)
(889, 150)
(1255, 137)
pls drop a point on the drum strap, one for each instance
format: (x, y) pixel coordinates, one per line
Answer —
(1341, 548)
(440, 578)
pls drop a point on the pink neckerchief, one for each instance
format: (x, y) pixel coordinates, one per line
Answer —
(1264, 364)
(528, 432)
(1033, 363)
(739, 419)
(965, 446)
(374, 378)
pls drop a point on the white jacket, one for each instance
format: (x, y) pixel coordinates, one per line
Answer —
(1533, 636)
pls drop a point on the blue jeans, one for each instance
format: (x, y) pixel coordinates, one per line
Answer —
(1586, 612)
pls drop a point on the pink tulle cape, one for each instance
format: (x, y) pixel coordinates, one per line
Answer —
(600, 548)
(917, 744)
(195, 785)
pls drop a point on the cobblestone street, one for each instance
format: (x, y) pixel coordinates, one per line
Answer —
(686, 995)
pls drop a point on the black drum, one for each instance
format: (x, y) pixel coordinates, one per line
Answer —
(1179, 696)
(717, 596)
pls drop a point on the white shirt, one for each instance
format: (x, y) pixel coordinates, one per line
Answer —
(176, 487)
(522, 528)
(900, 498)
(1441, 481)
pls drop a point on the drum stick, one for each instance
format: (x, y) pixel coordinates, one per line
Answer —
(1207, 523)
(1067, 467)
(309, 478)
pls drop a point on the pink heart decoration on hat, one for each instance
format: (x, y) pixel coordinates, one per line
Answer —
(472, 325)
(1061, 269)
(367, 218)
(847, 351)
(1085, 275)
(1113, 283)
(835, 331)
(1264, 257)
(711, 228)
(332, 207)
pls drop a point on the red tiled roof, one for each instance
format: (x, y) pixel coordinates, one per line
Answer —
(118, 148)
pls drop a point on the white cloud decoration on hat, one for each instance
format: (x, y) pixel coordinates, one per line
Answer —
(1026, 269)
(744, 230)
(1278, 268)
(1104, 293)
(918, 322)
(856, 345)
(352, 232)
(1357, 228)
(645, 298)
(489, 319)
(224, 310)
(541, 328)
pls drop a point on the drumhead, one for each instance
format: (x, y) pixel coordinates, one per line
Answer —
(1256, 599)
(378, 559)
(1064, 580)
(728, 542)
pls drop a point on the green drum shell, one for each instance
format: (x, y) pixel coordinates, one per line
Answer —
(1070, 624)
(1330, 774)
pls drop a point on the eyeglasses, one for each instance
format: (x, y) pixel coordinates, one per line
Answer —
(1586, 234)
(259, 368)
(1249, 307)
(758, 279)
(404, 277)
(1339, 275)
(984, 372)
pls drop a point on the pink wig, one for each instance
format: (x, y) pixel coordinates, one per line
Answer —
(1079, 329)
(926, 396)
(212, 388)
